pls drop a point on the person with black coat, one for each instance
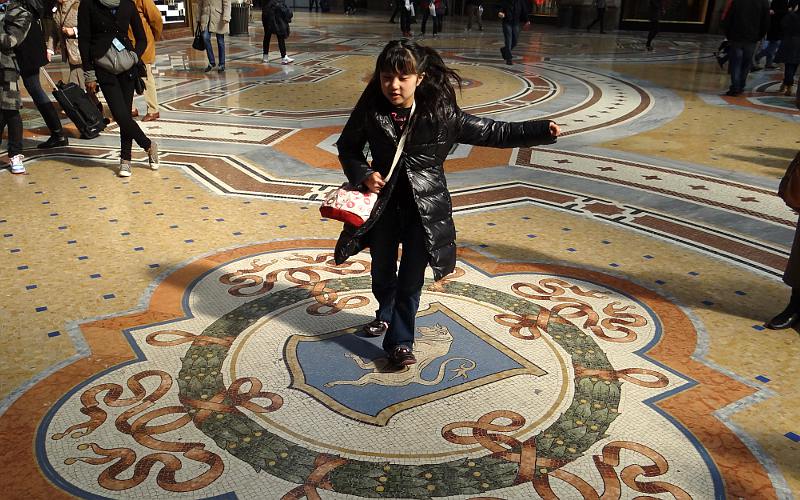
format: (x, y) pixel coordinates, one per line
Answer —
(513, 13)
(275, 17)
(31, 56)
(102, 26)
(789, 51)
(745, 24)
(411, 92)
(769, 46)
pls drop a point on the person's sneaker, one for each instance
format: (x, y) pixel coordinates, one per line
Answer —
(287, 60)
(402, 356)
(124, 168)
(55, 141)
(265, 58)
(221, 68)
(209, 68)
(152, 156)
(16, 165)
(376, 328)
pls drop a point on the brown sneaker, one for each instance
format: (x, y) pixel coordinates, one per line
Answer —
(375, 328)
(151, 117)
(402, 356)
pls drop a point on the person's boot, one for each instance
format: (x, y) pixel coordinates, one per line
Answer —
(789, 316)
(788, 91)
(782, 89)
(53, 122)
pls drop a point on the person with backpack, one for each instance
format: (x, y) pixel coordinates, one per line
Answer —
(275, 17)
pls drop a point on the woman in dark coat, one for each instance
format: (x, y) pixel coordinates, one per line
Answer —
(789, 51)
(101, 25)
(411, 90)
(276, 16)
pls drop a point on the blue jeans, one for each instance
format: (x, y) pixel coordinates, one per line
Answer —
(220, 46)
(510, 35)
(398, 293)
(741, 60)
(768, 50)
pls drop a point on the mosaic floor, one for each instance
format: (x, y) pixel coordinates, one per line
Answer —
(182, 333)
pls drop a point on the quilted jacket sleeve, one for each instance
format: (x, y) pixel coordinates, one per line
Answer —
(480, 131)
(16, 24)
(351, 146)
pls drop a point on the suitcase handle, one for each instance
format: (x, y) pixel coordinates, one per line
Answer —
(47, 75)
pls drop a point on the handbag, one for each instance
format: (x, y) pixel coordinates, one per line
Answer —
(198, 43)
(350, 204)
(117, 61)
(432, 8)
(789, 189)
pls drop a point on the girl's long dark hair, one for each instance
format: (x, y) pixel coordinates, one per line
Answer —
(436, 95)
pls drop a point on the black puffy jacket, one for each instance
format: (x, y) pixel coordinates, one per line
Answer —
(422, 161)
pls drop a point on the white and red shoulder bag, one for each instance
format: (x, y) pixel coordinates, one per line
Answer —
(350, 204)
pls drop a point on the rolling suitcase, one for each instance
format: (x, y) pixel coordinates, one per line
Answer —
(79, 108)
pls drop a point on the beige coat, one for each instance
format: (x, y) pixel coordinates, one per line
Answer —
(66, 16)
(153, 24)
(215, 15)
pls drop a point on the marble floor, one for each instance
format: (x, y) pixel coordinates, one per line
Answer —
(183, 333)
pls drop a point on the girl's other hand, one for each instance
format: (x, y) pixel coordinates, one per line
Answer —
(555, 130)
(375, 182)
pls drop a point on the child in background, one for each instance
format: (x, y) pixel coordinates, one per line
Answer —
(411, 89)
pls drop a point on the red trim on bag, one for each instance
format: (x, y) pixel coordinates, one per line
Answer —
(341, 215)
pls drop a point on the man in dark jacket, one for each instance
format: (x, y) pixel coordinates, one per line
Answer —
(746, 23)
(512, 13)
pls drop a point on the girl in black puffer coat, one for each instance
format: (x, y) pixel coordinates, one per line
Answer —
(411, 89)
(276, 16)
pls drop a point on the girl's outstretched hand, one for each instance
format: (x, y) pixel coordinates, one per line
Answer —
(554, 129)
(374, 183)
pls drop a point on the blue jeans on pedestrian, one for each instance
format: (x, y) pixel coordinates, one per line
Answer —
(510, 36)
(220, 46)
(768, 49)
(398, 293)
(741, 60)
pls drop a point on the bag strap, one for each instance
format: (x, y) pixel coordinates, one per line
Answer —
(402, 142)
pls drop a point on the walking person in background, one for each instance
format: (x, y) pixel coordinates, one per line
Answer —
(16, 22)
(474, 12)
(405, 17)
(312, 4)
(398, 4)
(275, 17)
(152, 24)
(104, 25)
(65, 36)
(411, 95)
(769, 46)
(655, 9)
(745, 24)
(31, 56)
(600, 6)
(789, 51)
(512, 13)
(215, 17)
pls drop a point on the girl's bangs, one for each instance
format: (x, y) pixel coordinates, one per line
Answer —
(399, 61)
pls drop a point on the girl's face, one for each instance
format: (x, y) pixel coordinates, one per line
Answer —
(399, 88)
